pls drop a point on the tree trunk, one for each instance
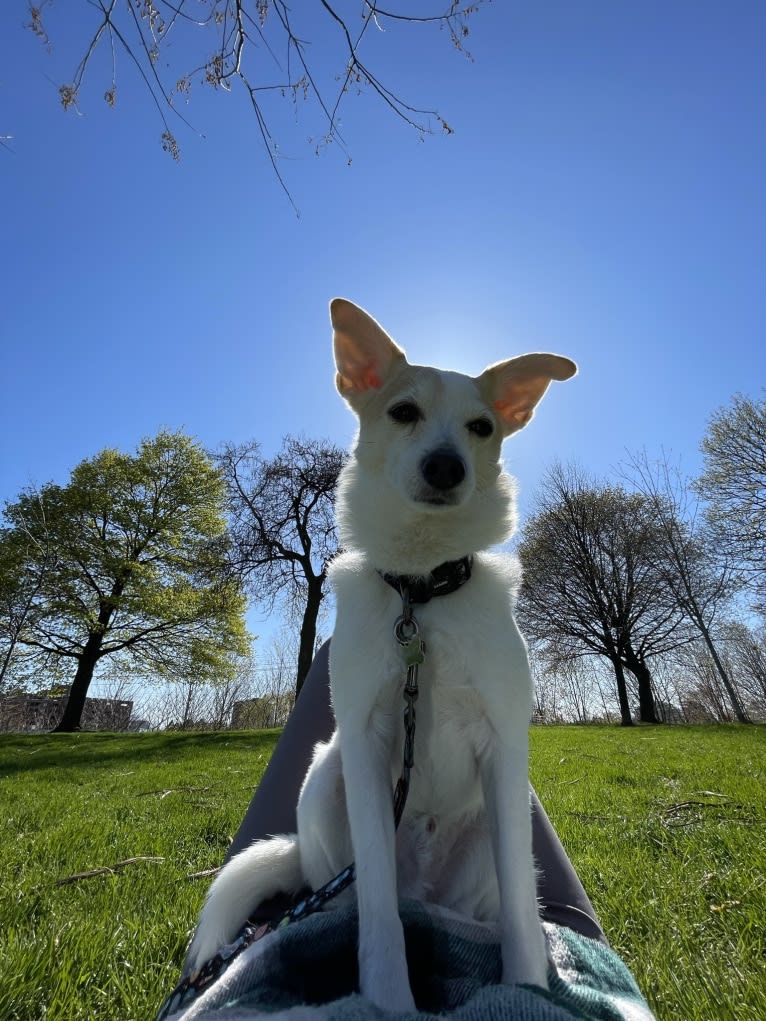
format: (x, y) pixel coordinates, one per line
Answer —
(647, 712)
(86, 664)
(308, 630)
(90, 655)
(7, 660)
(626, 720)
(731, 691)
(186, 717)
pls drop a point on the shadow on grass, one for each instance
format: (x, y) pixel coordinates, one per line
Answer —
(27, 753)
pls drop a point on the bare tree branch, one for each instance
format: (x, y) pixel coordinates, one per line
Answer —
(247, 35)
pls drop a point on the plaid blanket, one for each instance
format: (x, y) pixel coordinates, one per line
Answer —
(308, 971)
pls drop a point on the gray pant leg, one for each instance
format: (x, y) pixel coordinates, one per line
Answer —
(563, 899)
(272, 810)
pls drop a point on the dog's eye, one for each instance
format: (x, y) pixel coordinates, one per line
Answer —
(481, 427)
(405, 413)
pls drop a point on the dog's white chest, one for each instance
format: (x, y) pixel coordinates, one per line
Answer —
(450, 734)
(442, 843)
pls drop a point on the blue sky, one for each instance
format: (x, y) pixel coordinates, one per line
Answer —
(602, 196)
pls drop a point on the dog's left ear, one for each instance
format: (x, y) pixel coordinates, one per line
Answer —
(365, 355)
(514, 388)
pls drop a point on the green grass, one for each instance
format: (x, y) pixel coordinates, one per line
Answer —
(110, 946)
(664, 825)
(667, 829)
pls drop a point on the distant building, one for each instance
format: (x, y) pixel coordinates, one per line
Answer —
(34, 713)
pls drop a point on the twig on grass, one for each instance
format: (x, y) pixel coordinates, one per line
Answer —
(688, 812)
(205, 873)
(684, 806)
(106, 870)
(186, 789)
(163, 792)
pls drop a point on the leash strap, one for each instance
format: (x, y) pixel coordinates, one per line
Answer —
(192, 986)
(407, 634)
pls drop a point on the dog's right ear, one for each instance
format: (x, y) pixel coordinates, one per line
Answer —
(365, 355)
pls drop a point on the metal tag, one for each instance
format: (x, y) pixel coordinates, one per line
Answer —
(415, 651)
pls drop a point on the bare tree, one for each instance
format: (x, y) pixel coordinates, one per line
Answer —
(545, 685)
(577, 688)
(277, 678)
(704, 696)
(591, 584)
(262, 46)
(747, 650)
(282, 526)
(734, 486)
(272, 691)
(697, 570)
(184, 700)
(225, 693)
(670, 676)
(563, 688)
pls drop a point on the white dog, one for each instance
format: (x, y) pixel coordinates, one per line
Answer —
(424, 491)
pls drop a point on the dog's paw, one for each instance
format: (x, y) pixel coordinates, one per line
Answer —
(536, 975)
(210, 936)
(386, 985)
(526, 962)
(396, 999)
(201, 950)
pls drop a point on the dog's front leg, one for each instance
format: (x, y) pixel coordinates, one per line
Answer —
(383, 976)
(506, 792)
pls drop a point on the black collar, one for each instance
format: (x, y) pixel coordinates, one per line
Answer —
(445, 578)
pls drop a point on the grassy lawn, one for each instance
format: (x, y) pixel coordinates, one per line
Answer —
(666, 827)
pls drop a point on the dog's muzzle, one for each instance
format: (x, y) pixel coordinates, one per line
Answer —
(443, 470)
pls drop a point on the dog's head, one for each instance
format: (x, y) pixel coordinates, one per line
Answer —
(429, 440)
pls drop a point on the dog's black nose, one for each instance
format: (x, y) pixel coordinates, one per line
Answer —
(443, 469)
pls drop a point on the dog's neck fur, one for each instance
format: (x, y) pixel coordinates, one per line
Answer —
(398, 536)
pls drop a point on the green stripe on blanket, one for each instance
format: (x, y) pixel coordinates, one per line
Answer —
(310, 970)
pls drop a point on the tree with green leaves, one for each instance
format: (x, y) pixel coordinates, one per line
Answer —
(733, 484)
(136, 565)
(25, 561)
